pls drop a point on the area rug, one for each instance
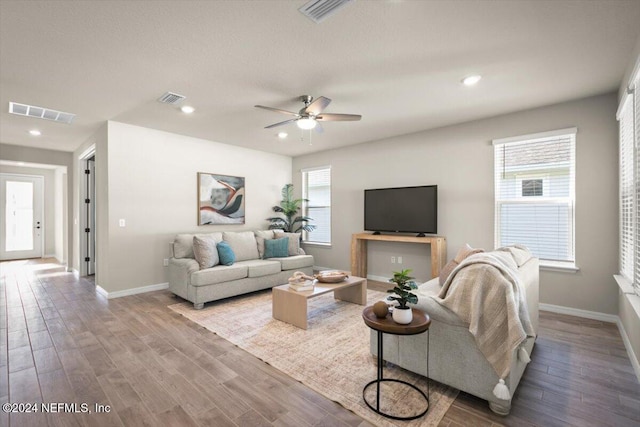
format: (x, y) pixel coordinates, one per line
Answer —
(332, 356)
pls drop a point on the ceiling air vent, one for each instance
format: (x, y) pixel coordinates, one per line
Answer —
(40, 113)
(319, 10)
(171, 98)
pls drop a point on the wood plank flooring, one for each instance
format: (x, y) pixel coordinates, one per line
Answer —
(60, 342)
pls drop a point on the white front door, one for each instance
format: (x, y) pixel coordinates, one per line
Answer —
(21, 216)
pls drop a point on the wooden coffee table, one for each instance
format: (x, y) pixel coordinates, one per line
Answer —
(291, 306)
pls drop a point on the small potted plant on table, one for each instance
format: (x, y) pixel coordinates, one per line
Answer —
(402, 294)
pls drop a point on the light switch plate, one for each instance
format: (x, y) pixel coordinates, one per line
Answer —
(122, 223)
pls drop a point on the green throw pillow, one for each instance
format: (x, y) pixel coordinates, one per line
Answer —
(225, 253)
(276, 248)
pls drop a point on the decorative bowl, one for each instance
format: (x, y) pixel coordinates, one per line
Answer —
(331, 276)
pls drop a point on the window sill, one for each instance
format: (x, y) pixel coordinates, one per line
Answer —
(625, 286)
(563, 267)
(318, 244)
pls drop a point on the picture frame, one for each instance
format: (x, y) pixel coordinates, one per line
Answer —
(221, 199)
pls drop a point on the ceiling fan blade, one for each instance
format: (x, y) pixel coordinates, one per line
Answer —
(317, 106)
(277, 110)
(338, 117)
(280, 123)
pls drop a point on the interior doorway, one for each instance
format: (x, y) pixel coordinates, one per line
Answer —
(87, 225)
(90, 215)
(22, 216)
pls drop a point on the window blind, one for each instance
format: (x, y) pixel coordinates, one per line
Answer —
(317, 191)
(626, 209)
(542, 219)
(636, 157)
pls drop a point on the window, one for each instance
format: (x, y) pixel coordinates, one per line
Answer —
(629, 139)
(316, 189)
(532, 187)
(535, 195)
(626, 189)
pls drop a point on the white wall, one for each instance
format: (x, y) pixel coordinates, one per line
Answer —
(459, 159)
(60, 203)
(152, 178)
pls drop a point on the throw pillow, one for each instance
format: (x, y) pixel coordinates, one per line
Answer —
(463, 253)
(294, 241)
(227, 257)
(276, 248)
(205, 251)
(261, 236)
(520, 253)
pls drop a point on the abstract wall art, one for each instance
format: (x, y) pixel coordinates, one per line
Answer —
(221, 199)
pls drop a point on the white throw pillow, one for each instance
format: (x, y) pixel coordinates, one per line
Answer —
(205, 251)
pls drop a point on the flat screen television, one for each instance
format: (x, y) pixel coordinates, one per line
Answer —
(402, 210)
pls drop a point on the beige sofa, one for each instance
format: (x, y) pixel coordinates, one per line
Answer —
(250, 272)
(454, 358)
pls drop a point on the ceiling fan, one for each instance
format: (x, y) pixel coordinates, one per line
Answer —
(309, 116)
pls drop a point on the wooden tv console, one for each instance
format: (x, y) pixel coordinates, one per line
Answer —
(359, 250)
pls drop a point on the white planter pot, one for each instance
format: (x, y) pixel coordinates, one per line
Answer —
(402, 316)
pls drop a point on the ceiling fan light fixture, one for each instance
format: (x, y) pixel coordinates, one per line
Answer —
(306, 123)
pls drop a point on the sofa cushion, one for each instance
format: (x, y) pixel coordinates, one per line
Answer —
(261, 267)
(183, 243)
(294, 241)
(261, 236)
(295, 262)
(205, 251)
(276, 248)
(463, 253)
(219, 274)
(243, 244)
(226, 254)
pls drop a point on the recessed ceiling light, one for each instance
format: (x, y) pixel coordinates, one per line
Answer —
(283, 135)
(187, 109)
(35, 132)
(471, 80)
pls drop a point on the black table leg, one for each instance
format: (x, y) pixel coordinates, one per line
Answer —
(380, 379)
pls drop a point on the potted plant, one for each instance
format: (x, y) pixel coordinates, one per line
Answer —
(289, 207)
(402, 294)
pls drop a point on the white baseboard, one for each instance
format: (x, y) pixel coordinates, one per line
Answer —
(604, 317)
(632, 355)
(378, 278)
(132, 291)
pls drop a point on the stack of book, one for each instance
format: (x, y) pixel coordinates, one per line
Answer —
(301, 286)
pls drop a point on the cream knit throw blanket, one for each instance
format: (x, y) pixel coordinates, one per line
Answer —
(485, 292)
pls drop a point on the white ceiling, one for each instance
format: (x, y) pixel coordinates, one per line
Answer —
(397, 63)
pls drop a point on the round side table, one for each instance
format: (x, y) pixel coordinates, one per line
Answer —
(386, 325)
